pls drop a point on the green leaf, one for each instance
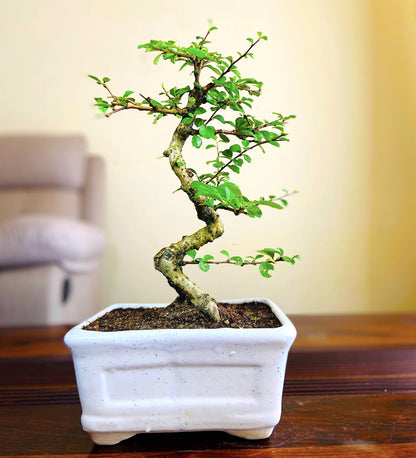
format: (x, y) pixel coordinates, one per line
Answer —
(156, 103)
(224, 138)
(234, 168)
(231, 193)
(203, 266)
(258, 137)
(280, 251)
(254, 211)
(182, 91)
(247, 158)
(207, 131)
(208, 257)
(106, 79)
(237, 259)
(204, 176)
(95, 79)
(211, 99)
(268, 203)
(191, 253)
(187, 121)
(196, 52)
(196, 141)
(199, 122)
(156, 59)
(127, 93)
(225, 253)
(168, 55)
(200, 110)
(215, 70)
(236, 148)
(268, 252)
(210, 203)
(264, 269)
(227, 153)
(185, 64)
(206, 190)
(159, 116)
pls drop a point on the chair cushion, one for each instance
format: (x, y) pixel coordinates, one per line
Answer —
(30, 239)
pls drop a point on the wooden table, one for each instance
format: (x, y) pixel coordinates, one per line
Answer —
(350, 391)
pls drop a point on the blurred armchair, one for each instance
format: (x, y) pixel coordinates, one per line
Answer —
(51, 241)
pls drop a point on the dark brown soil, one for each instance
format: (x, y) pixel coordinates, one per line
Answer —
(185, 316)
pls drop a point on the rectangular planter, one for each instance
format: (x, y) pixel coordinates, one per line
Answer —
(171, 380)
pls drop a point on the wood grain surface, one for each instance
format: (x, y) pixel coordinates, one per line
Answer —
(350, 390)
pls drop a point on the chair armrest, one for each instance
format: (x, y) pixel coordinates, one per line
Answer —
(74, 245)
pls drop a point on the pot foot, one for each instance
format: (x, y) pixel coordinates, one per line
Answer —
(251, 434)
(109, 438)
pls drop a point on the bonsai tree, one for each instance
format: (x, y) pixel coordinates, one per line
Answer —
(213, 112)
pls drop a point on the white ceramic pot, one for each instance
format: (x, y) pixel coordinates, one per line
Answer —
(172, 380)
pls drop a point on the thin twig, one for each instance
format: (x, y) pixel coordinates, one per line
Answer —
(211, 85)
(214, 113)
(236, 157)
(166, 93)
(112, 95)
(238, 59)
(288, 194)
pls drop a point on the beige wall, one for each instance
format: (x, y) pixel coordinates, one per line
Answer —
(344, 67)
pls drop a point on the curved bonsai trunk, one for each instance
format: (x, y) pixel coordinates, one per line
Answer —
(169, 260)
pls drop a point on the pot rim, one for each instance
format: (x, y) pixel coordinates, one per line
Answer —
(78, 335)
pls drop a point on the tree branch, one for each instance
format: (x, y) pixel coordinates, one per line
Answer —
(153, 109)
(238, 59)
(228, 261)
(205, 38)
(247, 89)
(236, 157)
(228, 69)
(288, 194)
(236, 212)
(238, 134)
(108, 89)
(166, 93)
(214, 113)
